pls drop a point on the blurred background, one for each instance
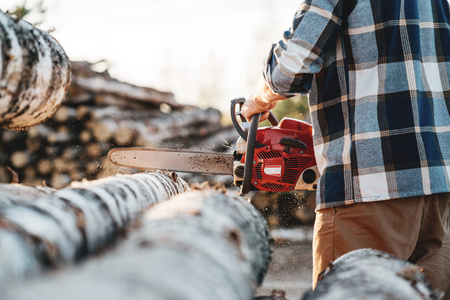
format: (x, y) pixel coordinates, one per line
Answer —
(205, 52)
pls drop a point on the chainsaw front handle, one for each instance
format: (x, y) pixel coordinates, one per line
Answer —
(238, 113)
(249, 154)
(249, 137)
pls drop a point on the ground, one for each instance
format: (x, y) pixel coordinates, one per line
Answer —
(291, 266)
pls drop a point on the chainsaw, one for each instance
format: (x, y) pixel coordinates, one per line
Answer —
(275, 158)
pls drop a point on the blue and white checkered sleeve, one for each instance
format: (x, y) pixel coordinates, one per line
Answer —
(293, 61)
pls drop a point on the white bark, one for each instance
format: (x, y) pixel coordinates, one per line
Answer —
(199, 245)
(34, 74)
(71, 223)
(371, 274)
(17, 193)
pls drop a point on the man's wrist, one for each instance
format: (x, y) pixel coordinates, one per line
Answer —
(265, 94)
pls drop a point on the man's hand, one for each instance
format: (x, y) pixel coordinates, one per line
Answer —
(252, 107)
(261, 101)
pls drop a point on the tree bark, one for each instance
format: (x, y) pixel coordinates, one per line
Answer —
(35, 76)
(199, 245)
(18, 193)
(68, 224)
(372, 274)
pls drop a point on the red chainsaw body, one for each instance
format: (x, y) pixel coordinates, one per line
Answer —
(277, 167)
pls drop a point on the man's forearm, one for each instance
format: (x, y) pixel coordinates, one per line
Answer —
(264, 96)
(261, 100)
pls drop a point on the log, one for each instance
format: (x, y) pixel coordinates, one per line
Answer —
(20, 159)
(109, 99)
(53, 150)
(126, 133)
(372, 274)
(96, 113)
(71, 153)
(178, 125)
(72, 223)
(60, 180)
(199, 245)
(187, 117)
(222, 140)
(104, 130)
(39, 132)
(60, 136)
(65, 114)
(83, 111)
(85, 136)
(4, 176)
(91, 168)
(10, 136)
(87, 80)
(30, 172)
(96, 150)
(35, 76)
(18, 193)
(44, 166)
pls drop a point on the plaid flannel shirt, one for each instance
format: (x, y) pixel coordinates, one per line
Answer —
(377, 74)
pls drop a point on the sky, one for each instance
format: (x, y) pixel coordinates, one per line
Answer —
(206, 52)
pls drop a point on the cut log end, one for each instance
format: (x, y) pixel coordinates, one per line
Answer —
(36, 74)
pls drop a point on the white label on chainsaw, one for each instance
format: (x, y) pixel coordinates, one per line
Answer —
(273, 170)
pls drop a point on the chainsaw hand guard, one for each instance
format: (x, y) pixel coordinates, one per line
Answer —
(234, 114)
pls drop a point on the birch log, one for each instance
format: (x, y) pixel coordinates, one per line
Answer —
(35, 74)
(372, 274)
(17, 193)
(199, 245)
(73, 222)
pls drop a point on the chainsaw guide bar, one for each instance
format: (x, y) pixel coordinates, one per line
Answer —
(173, 160)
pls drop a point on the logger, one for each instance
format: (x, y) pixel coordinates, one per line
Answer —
(275, 158)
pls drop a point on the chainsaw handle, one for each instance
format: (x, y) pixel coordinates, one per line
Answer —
(249, 137)
(249, 154)
(234, 114)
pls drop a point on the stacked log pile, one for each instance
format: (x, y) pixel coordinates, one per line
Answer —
(199, 245)
(100, 113)
(43, 228)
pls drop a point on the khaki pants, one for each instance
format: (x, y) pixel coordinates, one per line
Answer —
(416, 229)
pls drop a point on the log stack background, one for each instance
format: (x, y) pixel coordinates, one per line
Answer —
(100, 113)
